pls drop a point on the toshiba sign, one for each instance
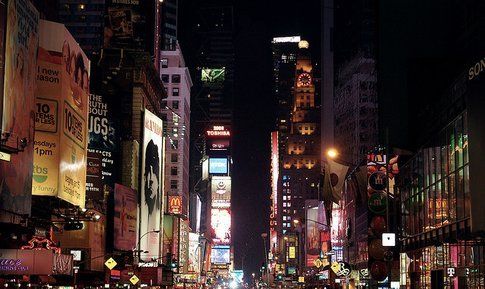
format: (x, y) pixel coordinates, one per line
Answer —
(218, 130)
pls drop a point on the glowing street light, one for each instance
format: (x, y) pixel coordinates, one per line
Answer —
(332, 153)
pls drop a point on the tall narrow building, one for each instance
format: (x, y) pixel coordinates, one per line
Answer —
(295, 153)
(177, 81)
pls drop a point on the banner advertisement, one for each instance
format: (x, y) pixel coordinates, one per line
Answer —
(126, 200)
(61, 113)
(221, 255)
(184, 246)
(19, 59)
(34, 262)
(151, 186)
(194, 253)
(218, 166)
(125, 24)
(221, 192)
(101, 147)
(313, 231)
(221, 226)
(167, 235)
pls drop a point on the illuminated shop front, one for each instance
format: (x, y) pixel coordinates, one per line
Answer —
(442, 251)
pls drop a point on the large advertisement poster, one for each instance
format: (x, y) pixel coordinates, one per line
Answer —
(21, 45)
(101, 148)
(313, 231)
(125, 24)
(151, 186)
(194, 253)
(221, 192)
(221, 225)
(221, 255)
(126, 200)
(61, 113)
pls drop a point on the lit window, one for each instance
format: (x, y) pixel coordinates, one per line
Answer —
(175, 91)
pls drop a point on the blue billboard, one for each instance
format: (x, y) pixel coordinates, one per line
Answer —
(218, 166)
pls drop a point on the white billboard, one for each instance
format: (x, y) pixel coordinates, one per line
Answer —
(151, 187)
(221, 192)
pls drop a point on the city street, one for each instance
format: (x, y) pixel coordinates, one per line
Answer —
(230, 144)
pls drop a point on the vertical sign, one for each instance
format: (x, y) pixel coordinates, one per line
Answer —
(151, 186)
(125, 218)
(273, 218)
(102, 145)
(184, 246)
(18, 55)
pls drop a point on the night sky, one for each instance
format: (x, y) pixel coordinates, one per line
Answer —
(257, 21)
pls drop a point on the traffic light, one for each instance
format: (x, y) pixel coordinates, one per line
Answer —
(279, 277)
(263, 266)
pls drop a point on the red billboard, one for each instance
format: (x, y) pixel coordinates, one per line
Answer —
(273, 218)
(175, 205)
(125, 218)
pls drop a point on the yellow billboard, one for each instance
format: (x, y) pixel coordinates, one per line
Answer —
(61, 114)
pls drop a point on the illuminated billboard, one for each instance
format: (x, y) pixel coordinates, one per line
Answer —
(18, 52)
(315, 217)
(175, 205)
(151, 186)
(218, 131)
(221, 225)
(216, 144)
(125, 216)
(211, 75)
(221, 255)
(218, 166)
(273, 218)
(287, 39)
(183, 258)
(62, 92)
(221, 192)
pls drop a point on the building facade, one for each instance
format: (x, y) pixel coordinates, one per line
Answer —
(177, 82)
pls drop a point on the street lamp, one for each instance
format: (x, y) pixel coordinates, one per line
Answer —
(264, 236)
(296, 222)
(332, 153)
(137, 247)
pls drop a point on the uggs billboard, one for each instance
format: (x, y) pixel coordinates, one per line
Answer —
(61, 113)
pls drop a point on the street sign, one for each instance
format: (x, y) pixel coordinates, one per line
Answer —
(110, 263)
(388, 239)
(134, 279)
(317, 263)
(5, 156)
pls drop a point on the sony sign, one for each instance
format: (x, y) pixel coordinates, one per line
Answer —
(476, 69)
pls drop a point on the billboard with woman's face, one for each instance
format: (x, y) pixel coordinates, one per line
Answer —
(151, 186)
(17, 113)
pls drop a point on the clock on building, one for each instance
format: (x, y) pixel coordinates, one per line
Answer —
(304, 79)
